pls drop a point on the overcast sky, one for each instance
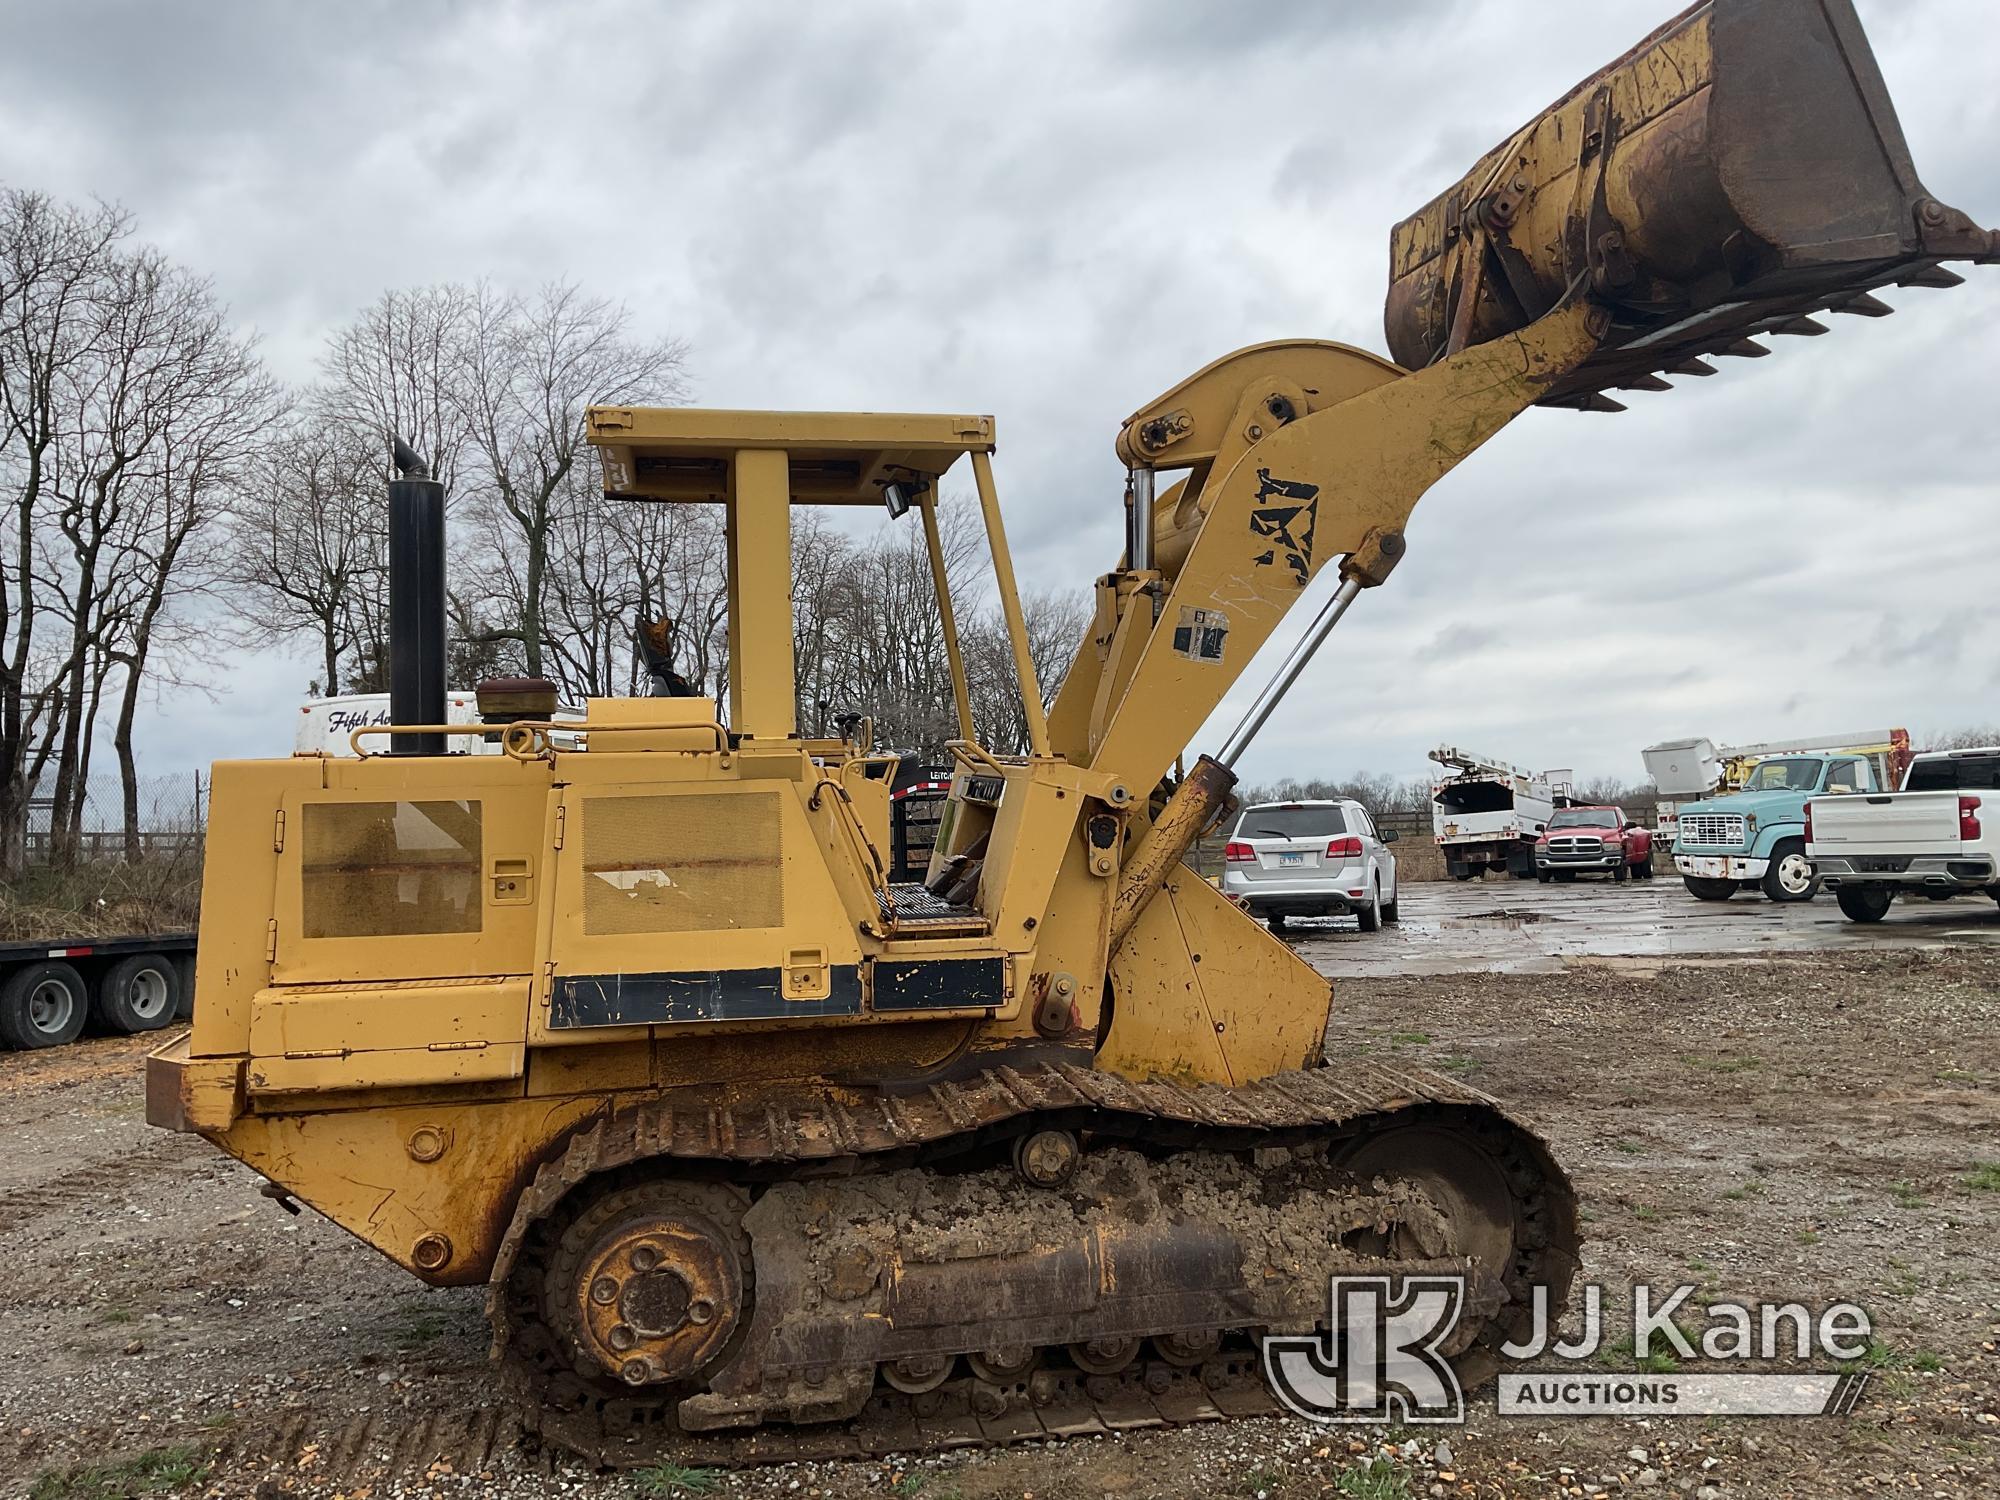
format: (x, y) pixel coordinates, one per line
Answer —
(1052, 212)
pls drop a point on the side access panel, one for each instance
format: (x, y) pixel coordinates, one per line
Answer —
(694, 902)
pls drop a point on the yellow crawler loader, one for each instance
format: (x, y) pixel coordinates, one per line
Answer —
(762, 1154)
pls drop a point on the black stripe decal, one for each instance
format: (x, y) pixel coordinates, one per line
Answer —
(583, 1000)
(940, 983)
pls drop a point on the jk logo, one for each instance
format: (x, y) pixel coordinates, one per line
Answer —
(1380, 1360)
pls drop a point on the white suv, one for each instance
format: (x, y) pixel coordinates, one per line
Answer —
(1311, 859)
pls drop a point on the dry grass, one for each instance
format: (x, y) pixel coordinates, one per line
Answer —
(103, 898)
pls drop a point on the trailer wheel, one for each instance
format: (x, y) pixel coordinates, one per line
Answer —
(1860, 903)
(139, 993)
(42, 1005)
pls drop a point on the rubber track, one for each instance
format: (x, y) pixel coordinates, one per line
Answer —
(805, 1125)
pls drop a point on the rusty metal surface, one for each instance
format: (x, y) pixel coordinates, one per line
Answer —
(1740, 168)
(785, 1371)
(1197, 803)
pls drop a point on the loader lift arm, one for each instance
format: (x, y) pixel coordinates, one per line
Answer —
(1737, 171)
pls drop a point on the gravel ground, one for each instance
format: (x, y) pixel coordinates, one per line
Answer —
(1807, 1126)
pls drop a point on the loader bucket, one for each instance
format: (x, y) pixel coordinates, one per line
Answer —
(1736, 172)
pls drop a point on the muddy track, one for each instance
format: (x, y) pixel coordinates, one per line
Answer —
(372, 1447)
(1338, 1109)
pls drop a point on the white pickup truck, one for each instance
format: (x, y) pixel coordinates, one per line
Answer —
(1939, 835)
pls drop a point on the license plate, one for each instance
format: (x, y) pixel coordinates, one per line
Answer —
(1291, 859)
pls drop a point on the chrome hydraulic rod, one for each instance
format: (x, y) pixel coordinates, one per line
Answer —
(1295, 663)
(1139, 519)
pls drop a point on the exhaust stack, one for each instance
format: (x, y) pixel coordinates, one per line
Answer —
(416, 604)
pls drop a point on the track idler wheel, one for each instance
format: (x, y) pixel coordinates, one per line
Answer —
(1104, 1356)
(649, 1282)
(1003, 1365)
(917, 1374)
(1187, 1350)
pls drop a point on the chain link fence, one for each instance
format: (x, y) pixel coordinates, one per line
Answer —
(102, 879)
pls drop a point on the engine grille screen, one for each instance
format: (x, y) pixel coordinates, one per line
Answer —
(697, 862)
(1723, 830)
(388, 869)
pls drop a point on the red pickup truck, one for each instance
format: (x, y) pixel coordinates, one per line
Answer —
(1596, 839)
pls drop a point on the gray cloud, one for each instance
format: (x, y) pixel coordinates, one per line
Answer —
(1053, 212)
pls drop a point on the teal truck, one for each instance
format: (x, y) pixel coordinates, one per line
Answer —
(1756, 836)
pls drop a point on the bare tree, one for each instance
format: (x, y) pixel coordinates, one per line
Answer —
(528, 369)
(53, 258)
(397, 369)
(309, 546)
(216, 406)
(1055, 622)
(1958, 739)
(612, 566)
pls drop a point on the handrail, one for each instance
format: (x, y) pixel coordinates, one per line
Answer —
(974, 755)
(857, 834)
(532, 740)
(455, 731)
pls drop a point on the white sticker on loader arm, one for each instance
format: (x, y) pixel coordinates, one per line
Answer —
(1200, 634)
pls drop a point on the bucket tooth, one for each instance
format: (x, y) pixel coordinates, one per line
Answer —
(1803, 327)
(1645, 383)
(1691, 367)
(1585, 401)
(1861, 305)
(1937, 276)
(1744, 349)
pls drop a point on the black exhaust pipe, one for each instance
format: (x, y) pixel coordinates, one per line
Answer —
(416, 604)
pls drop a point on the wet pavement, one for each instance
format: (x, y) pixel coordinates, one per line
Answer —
(1523, 927)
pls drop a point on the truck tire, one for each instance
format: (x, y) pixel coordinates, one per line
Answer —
(42, 1005)
(184, 966)
(1543, 876)
(1708, 890)
(1621, 872)
(139, 993)
(1791, 876)
(1370, 916)
(1860, 903)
